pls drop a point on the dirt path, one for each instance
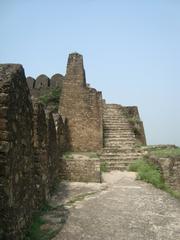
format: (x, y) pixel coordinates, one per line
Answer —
(122, 209)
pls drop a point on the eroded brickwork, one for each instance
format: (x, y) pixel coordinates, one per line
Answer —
(81, 105)
(16, 152)
(29, 160)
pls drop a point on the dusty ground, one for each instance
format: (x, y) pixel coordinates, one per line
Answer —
(120, 209)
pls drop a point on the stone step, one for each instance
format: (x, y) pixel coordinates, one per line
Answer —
(115, 131)
(124, 142)
(119, 168)
(119, 155)
(119, 160)
(119, 141)
(122, 150)
(118, 130)
(121, 129)
(120, 145)
(121, 126)
(117, 124)
(111, 164)
(120, 137)
(115, 118)
(124, 125)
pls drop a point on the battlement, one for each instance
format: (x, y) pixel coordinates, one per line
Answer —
(43, 84)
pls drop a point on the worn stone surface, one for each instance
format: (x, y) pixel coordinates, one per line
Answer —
(127, 209)
(80, 167)
(82, 106)
(16, 152)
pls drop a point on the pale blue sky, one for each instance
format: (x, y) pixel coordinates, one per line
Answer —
(131, 51)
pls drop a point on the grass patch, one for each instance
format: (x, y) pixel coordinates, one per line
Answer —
(166, 152)
(35, 232)
(103, 167)
(151, 174)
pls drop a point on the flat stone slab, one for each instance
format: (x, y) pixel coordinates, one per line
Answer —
(120, 209)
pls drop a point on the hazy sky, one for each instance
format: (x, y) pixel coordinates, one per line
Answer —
(131, 51)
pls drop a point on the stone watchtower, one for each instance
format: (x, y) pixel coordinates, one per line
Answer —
(82, 106)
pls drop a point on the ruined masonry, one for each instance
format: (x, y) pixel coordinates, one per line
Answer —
(40, 145)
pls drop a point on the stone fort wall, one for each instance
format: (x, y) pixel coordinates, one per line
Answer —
(29, 155)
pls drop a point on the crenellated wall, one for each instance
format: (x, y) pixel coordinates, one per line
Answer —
(42, 84)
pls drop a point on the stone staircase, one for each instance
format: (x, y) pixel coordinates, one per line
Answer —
(119, 148)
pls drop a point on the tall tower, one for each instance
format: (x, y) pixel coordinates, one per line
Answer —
(75, 72)
(82, 106)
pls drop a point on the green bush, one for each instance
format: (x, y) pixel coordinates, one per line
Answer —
(51, 98)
